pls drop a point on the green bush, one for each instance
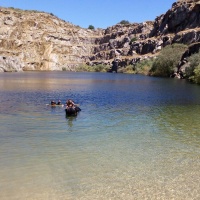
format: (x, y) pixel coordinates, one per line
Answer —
(196, 77)
(95, 68)
(128, 69)
(194, 61)
(167, 61)
(124, 22)
(143, 67)
(101, 68)
(85, 68)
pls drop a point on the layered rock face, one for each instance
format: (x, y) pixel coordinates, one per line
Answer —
(31, 40)
(41, 41)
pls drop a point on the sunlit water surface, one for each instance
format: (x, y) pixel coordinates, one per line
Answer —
(137, 137)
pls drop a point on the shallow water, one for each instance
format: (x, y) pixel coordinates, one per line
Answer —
(137, 137)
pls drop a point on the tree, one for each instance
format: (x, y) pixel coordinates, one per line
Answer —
(91, 27)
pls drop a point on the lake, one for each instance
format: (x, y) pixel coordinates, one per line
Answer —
(136, 137)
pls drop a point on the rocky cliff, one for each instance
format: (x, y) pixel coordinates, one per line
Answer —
(31, 40)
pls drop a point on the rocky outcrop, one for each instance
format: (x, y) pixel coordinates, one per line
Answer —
(120, 41)
(41, 41)
(180, 24)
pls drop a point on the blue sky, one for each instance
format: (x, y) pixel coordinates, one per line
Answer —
(99, 13)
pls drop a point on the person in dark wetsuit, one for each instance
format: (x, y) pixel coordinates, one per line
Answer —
(70, 104)
(59, 102)
(70, 108)
(53, 103)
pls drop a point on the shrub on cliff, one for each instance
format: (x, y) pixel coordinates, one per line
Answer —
(91, 27)
(133, 40)
(167, 61)
(124, 22)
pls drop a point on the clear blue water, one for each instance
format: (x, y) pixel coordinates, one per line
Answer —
(137, 137)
